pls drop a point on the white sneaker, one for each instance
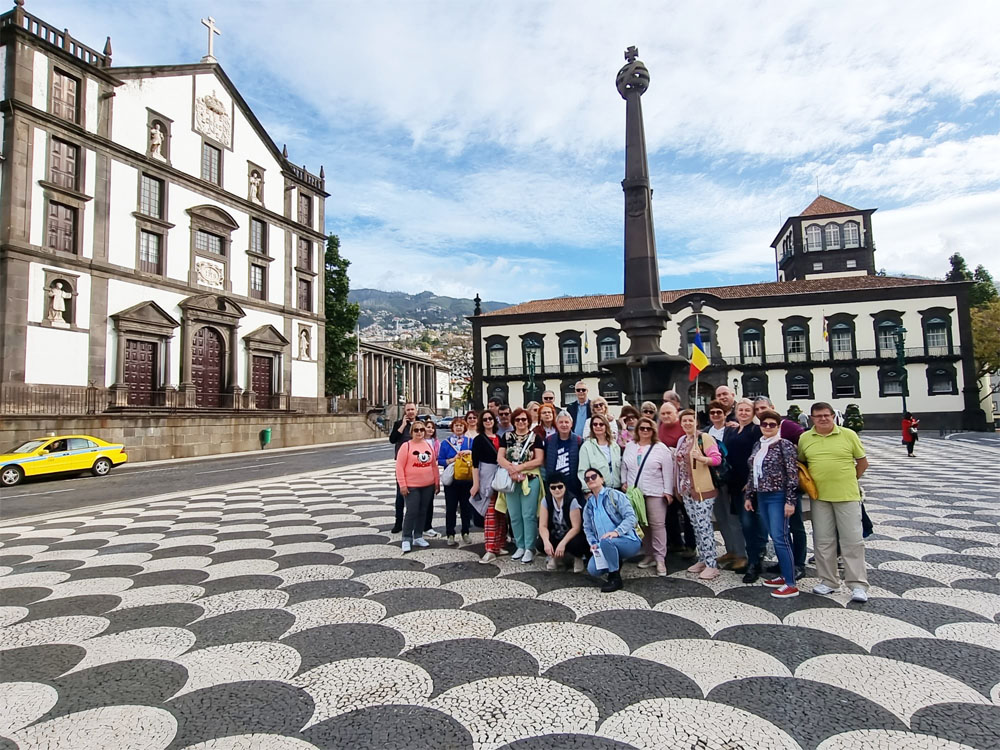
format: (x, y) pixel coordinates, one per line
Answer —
(503, 551)
(518, 553)
(432, 533)
(529, 555)
(487, 558)
(579, 565)
(550, 563)
(859, 595)
(822, 588)
(405, 547)
(466, 539)
(419, 541)
(451, 541)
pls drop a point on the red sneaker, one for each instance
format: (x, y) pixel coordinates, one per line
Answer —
(775, 583)
(785, 592)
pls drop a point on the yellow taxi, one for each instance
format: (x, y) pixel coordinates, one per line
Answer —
(60, 453)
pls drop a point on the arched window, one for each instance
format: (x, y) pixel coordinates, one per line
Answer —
(706, 341)
(799, 385)
(885, 338)
(796, 344)
(852, 234)
(814, 238)
(832, 232)
(570, 351)
(750, 345)
(841, 335)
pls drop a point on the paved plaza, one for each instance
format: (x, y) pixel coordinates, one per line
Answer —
(283, 617)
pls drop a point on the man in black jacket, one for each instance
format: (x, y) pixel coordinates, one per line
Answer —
(580, 410)
(400, 434)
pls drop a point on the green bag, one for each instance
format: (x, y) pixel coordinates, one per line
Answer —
(638, 501)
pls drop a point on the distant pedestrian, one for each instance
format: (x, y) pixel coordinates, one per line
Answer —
(836, 460)
(610, 525)
(695, 452)
(560, 527)
(419, 480)
(482, 496)
(911, 426)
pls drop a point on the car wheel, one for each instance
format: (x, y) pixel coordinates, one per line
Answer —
(11, 475)
(102, 467)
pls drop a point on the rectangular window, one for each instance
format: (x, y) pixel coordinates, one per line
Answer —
(65, 96)
(795, 343)
(893, 387)
(751, 347)
(840, 342)
(609, 351)
(817, 266)
(845, 390)
(258, 281)
(305, 209)
(799, 390)
(497, 361)
(61, 227)
(258, 237)
(63, 160)
(206, 242)
(211, 164)
(852, 264)
(303, 258)
(571, 357)
(305, 294)
(151, 196)
(150, 257)
(887, 343)
(937, 337)
(851, 238)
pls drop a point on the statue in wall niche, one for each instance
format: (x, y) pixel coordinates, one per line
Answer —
(156, 142)
(57, 304)
(256, 188)
(304, 343)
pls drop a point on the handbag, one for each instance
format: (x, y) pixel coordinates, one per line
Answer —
(635, 496)
(806, 483)
(502, 481)
(448, 475)
(721, 473)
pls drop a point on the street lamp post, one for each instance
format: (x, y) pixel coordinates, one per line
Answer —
(901, 361)
(531, 368)
(398, 367)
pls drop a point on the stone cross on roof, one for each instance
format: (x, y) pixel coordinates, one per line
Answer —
(212, 31)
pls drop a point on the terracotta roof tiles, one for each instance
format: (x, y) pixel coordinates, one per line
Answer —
(824, 205)
(741, 291)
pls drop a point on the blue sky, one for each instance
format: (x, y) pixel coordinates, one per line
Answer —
(479, 146)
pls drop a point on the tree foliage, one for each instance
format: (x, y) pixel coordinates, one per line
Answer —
(959, 269)
(986, 338)
(984, 290)
(341, 319)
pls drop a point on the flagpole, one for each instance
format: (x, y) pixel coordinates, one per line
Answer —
(697, 329)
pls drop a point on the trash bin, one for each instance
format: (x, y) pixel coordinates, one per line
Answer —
(265, 437)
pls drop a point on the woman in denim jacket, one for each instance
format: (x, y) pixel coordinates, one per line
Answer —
(609, 523)
(773, 484)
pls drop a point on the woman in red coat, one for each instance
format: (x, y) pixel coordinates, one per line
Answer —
(910, 426)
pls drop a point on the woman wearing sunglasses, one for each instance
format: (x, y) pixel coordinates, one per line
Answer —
(599, 407)
(648, 465)
(560, 527)
(419, 480)
(609, 523)
(629, 419)
(773, 483)
(600, 451)
(695, 452)
(521, 455)
(485, 448)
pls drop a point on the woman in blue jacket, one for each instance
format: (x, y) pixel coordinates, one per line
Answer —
(609, 523)
(456, 494)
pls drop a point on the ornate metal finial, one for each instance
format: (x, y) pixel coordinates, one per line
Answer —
(633, 78)
(213, 30)
(479, 305)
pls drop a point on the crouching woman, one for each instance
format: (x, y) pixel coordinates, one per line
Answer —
(609, 523)
(560, 526)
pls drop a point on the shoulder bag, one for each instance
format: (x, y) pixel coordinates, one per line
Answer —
(721, 473)
(806, 483)
(502, 481)
(635, 496)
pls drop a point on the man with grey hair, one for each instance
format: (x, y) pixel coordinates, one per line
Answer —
(579, 410)
(673, 397)
(790, 429)
(548, 397)
(562, 453)
(727, 397)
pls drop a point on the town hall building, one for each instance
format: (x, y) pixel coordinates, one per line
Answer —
(157, 248)
(828, 329)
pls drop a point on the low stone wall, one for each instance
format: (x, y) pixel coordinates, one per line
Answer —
(151, 438)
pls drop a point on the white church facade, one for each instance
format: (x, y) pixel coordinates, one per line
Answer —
(157, 248)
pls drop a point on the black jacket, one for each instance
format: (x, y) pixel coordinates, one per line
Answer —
(574, 411)
(397, 436)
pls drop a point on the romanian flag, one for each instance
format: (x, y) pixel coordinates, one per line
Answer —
(698, 359)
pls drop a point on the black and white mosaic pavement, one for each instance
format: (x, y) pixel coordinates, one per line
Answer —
(282, 617)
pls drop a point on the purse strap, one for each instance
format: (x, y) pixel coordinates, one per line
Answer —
(642, 463)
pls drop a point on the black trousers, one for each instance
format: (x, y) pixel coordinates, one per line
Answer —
(400, 504)
(680, 532)
(577, 546)
(456, 498)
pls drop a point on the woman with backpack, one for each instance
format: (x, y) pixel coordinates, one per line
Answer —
(695, 453)
(648, 466)
(774, 484)
(610, 525)
(601, 451)
(456, 451)
(560, 526)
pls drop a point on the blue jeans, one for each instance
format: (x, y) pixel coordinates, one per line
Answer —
(754, 532)
(523, 511)
(613, 550)
(772, 515)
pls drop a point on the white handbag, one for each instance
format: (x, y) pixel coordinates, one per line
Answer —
(448, 475)
(502, 481)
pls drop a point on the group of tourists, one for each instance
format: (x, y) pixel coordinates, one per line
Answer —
(590, 491)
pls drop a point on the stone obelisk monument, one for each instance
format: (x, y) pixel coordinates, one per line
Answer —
(644, 371)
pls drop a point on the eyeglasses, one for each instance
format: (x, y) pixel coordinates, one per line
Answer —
(769, 424)
(581, 390)
(591, 477)
(418, 430)
(487, 419)
(557, 486)
(645, 428)
(716, 411)
(599, 424)
(505, 414)
(822, 416)
(521, 419)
